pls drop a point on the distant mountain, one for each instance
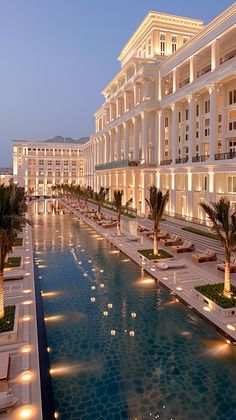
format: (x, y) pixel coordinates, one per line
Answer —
(60, 139)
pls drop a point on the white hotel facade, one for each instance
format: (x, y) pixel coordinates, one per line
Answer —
(168, 118)
(169, 115)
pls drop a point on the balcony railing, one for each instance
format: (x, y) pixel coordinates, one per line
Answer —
(204, 70)
(181, 160)
(125, 163)
(184, 82)
(225, 156)
(201, 158)
(228, 56)
(166, 162)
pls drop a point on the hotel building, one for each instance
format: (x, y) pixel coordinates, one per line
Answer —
(169, 115)
(38, 165)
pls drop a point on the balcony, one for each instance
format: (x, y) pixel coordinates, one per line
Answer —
(181, 160)
(184, 82)
(166, 162)
(115, 165)
(204, 70)
(224, 156)
(228, 56)
(202, 158)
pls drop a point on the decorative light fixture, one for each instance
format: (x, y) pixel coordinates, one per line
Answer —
(113, 332)
(105, 313)
(110, 305)
(133, 314)
(131, 333)
(93, 299)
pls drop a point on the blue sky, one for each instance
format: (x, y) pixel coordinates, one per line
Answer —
(57, 55)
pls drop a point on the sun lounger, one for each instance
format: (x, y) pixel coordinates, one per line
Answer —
(13, 275)
(205, 256)
(142, 229)
(4, 365)
(187, 246)
(221, 266)
(109, 225)
(173, 240)
(163, 234)
(131, 237)
(7, 401)
(172, 263)
(149, 232)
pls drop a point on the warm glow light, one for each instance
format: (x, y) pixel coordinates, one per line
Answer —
(206, 308)
(110, 305)
(27, 291)
(101, 271)
(50, 294)
(105, 313)
(25, 349)
(26, 412)
(93, 287)
(26, 376)
(102, 285)
(27, 302)
(131, 333)
(26, 318)
(230, 327)
(113, 332)
(133, 314)
(54, 318)
(93, 299)
(56, 415)
(179, 288)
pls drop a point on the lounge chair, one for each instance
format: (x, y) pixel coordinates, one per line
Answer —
(187, 246)
(221, 266)
(4, 365)
(131, 237)
(162, 234)
(149, 232)
(173, 240)
(205, 256)
(13, 275)
(142, 229)
(109, 224)
(170, 264)
(7, 400)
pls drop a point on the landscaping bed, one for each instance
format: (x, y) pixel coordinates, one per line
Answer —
(18, 242)
(214, 292)
(7, 323)
(13, 262)
(200, 232)
(148, 253)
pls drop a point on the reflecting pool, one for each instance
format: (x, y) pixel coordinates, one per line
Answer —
(120, 346)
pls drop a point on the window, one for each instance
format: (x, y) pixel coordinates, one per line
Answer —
(149, 46)
(144, 50)
(174, 43)
(232, 184)
(232, 97)
(41, 162)
(207, 132)
(232, 125)
(207, 122)
(179, 139)
(58, 162)
(186, 137)
(219, 118)
(166, 122)
(187, 128)
(204, 183)
(49, 162)
(186, 114)
(207, 106)
(163, 44)
(166, 142)
(197, 110)
(179, 117)
(197, 134)
(185, 39)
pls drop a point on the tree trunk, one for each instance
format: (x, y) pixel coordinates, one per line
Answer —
(118, 223)
(227, 278)
(2, 311)
(155, 246)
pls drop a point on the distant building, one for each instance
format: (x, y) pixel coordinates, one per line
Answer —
(38, 165)
(6, 175)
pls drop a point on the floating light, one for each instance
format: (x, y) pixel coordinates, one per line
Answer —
(109, 305)
(113, 332)
(131, 333)
(102, 285)
(85, 274)
(93, 299)
(133, 314)
(179, 288)
(93, 287)
(206, 308)
(105, 313)
(230, 327)
(101, 271)
(26, 413)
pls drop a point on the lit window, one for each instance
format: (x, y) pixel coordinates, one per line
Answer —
(174, 43)
(163, 44)
(232, 97)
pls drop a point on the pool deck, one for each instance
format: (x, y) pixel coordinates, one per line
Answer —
(24, 350)
(182, 281)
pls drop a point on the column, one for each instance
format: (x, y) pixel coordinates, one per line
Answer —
(224, 121)
(144, 192)
(111, 146)
(174, 80)
(192, 126)
(174, 133)
(117, 108)
(107, 147)
(158, 180)
(110, 194)
(162, 136)
(192, 70)
(134, 203)
(118, 143)
(189, 195)
(126, 140)
(172, 192)
(135, 140)
(144, 137)
(135, 94)
(125, 188)
(125, 102)
(145, 90)
(157, 137)
(213, 120)
(215, 56)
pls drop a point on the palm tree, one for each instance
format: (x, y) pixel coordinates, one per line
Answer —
(118, 194)
(12, 220)
(223, 220)
(100, 198)
(156, 203)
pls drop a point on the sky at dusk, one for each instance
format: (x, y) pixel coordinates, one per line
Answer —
(57, 55)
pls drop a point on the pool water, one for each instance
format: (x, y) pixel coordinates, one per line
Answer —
(122, 347)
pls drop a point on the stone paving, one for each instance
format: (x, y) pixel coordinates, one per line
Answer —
(180, 282)
(23, 352)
